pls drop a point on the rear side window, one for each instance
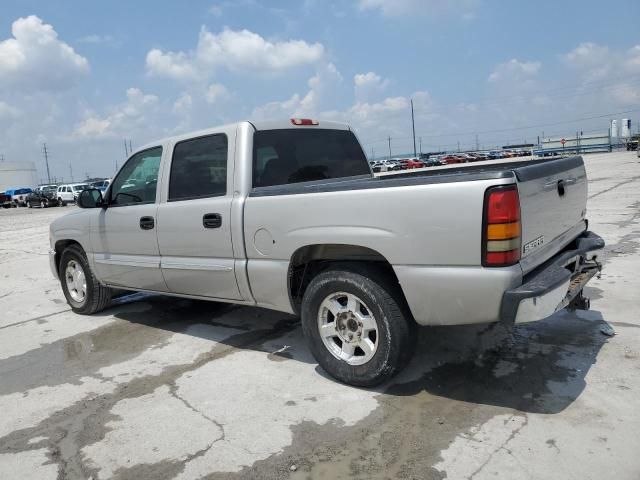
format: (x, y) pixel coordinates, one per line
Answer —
(287, 156)
(199, 168)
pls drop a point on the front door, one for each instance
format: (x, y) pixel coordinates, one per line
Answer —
(194, 227)
(124, 234)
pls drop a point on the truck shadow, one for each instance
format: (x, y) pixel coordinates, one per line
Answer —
(537, 368)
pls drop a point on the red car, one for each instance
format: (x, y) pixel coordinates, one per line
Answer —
(412, 163)
(450, 159)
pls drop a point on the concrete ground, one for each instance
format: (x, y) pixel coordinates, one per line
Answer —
(156, 388)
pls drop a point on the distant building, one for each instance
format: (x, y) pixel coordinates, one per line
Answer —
(17, 174)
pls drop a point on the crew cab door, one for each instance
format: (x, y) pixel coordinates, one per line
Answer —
(123, 235)
(194, 223)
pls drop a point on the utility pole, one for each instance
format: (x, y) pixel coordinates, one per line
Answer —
(372, 153)
(477, 146)
(126, 151)
(413, 126)
(130, 147)
(420, 145)
(458, 146)
(46, 160)
(389, 139)
(1, 157)
(71, 172)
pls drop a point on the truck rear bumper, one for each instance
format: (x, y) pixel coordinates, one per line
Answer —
(553, 285)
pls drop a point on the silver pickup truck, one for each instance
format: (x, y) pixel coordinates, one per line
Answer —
(288, 216)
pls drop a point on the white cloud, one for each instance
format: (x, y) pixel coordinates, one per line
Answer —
(514, 70)
(322, 88)
(35, 60)
(122, 119)
(369, 85)
(178, 66)
(7, 111)
(216, 92)
(395, 8)
(182, 106)
(238, 51)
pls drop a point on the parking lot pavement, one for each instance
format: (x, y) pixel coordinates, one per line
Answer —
(156, 388)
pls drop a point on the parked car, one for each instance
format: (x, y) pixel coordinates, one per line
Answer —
(69, 193)
(100, 185)
(19, 195)
(246, 213)
(451, 159)
(43, 196)
(5, 201)
(412, 163)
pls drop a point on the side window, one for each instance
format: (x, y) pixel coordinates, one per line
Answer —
(136, 183)
(199, 168)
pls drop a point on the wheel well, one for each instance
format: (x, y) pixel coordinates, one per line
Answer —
(60, 247)
(311, 260)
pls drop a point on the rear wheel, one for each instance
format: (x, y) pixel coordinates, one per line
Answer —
(83, 291)
(61, 203)
(43, 204)
(29, 204)
(357, 326)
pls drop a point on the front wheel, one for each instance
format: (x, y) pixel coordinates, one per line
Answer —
(29, 204)
(357, 326)
(83, 291)
(43, 204)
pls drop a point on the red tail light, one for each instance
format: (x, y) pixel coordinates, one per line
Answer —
(501, 236)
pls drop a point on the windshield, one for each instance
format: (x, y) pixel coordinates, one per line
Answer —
(79, 188)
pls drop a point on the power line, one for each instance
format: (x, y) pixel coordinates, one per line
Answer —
(511, 129)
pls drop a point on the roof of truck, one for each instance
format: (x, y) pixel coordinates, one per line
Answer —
(257, 125)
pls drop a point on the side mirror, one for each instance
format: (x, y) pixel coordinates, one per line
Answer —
(91, 198)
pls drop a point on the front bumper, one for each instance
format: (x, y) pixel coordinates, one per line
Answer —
(553, 285)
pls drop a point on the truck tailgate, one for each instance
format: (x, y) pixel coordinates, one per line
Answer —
(553, 201)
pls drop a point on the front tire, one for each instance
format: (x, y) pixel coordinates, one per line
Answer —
(84, 293)
(357, 326)
(29, 204)
(43, 204)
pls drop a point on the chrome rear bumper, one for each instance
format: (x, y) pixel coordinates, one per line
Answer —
(555, 284)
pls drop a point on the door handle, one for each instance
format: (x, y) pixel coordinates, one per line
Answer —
(147, 223)
(212, 220)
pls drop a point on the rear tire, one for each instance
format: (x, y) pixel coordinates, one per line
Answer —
(29, 205)
(387, 347)
(43, 204)
(84, 293)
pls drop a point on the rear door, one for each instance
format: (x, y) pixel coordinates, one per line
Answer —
(194, 223)
(553, 199)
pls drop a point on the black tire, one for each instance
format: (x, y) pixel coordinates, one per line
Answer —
(97, 296)
(61, 203)
(43, 204)
(29, 205)
(396, 328)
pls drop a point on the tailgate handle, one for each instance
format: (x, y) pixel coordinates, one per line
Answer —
(558, 184)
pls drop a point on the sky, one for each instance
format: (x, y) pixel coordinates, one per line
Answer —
(83, 76)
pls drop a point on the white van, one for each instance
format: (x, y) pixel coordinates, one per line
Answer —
(69, 193)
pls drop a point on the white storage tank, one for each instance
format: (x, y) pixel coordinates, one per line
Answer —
(626, 128)
(614, 128)
(17, 174)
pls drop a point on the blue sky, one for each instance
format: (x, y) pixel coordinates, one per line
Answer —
(82, 76)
